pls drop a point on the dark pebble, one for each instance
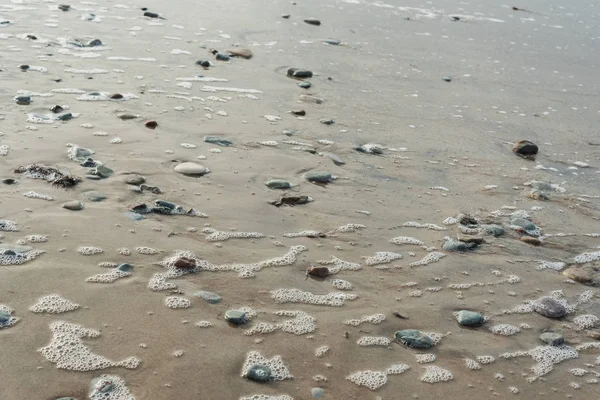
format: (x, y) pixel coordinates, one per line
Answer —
(312, 21)
(203, 63)
(24, 67)
(116, 96)
(31, 37)
(65, 117)
(9, 181)
(125, 267)
(151, 124)
(56, 109)
(286, 16)
(525, 149)
(151, 14)
(259, 373)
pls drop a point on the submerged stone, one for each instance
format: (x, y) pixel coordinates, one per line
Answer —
(218, 141)
(259, 373)
(134, 216)
(4, 318)
(65, 117)
(209, 297)
(327, 121)
(317, 392)
(165, 204)
(299, 73)
(552, 338)
(95, 196)
(203, 63)
(9, 181)
(414, 338)
(470, 318)
(305, 84)
(236, 317)
(492, 230)
(278, 184)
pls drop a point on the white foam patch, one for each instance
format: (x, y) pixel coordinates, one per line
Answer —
(53, 304)
(109, 277)
(406, 240)
(435, 374)
(432, 257)
(214, 89)
(67, 351)
(301, 323)
(372, 319)
(334, 299)
(382, 257)
(220, 236)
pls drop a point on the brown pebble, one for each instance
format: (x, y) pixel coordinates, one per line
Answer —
(151, 124)
(320, 272)
(531, 240)
(185, 263)
(240, 52)
(470, 239)
(594, 334)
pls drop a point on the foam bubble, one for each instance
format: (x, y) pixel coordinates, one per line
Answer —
(586, 321)
(301, 323)
(146, 250)
(406, 240)
(267, 397)
(89, 250)
(36, 195)
(432, 257)
(425, 358)
(374, 341)
(118, 392)
(109, 277)
(505, 329)
(321, 351)
(375, 319)
(413, 224)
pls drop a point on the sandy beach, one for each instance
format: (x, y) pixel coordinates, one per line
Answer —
(170, 173)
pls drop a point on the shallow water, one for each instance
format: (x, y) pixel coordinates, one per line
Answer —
(515, 75)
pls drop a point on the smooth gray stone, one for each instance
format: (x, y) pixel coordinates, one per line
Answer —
(318, 176)
(73, 205)
(135, 180)
(278, 184)
(259, 373)
(125, 267)
(218, 141)
(191, 169)
(414, 338)
(470, 318)
(95, 196)
(552, 338)
(209, 297)
(134, 216)
(236, 317)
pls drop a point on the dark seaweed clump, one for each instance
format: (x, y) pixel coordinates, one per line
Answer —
(50, 174)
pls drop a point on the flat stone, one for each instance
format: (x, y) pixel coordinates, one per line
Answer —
(65, 117)
(327, 121)
(185, 263)
(525, 149)
(337, 160)
(95, 196)
(191, 169)
(552, 338)
(222, 56)
(94, 43)
(151, 124)
(259, 373)
(73, 205)
(125, 267)
(531, 240)
(236, 317)
(134, 216)
(305, 84)
(203, 63)
(470, 318)
(80, 153)
(151, 14)
(550, 308)
(308, 98)
(135, 180)
(332, 42)
(312, 21)
(318, 176)
(537, 194)
(455, 245)
(299, 73)
(317, 393)
(127, 116)
(209, 297)
(414, 338)
(102, 171)
(166, 204)
(93, 177)
(587, 274)
(9, 181)
(218, 141)
(278, 184)
(23, 100)
(56, 109)
(240, 52)
(15, 247)
(447, 79)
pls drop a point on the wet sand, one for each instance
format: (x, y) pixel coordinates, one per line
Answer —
(515, 75)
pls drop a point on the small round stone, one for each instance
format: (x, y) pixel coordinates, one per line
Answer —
(73, 205)
(135, 180)
(414, 338)
(470, 318)
(236, 317)
(550, 308)
(259, 373)
(191, 169)
(305, 84)
(278, 184)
